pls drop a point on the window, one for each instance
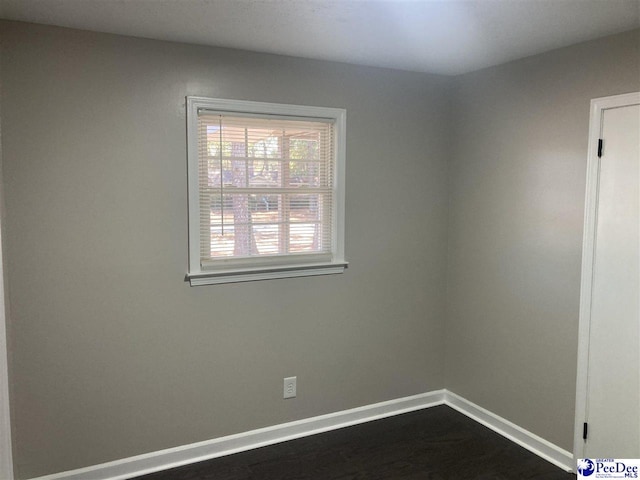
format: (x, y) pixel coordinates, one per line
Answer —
(266, 190)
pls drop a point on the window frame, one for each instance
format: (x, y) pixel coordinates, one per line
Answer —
(244, 269)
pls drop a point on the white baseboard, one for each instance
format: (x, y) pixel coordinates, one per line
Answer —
(219, 447)
(535, 444)
(197, 452)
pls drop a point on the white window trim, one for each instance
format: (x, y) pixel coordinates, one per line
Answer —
(197, 275)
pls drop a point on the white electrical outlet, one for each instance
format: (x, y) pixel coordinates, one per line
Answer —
(290, 387)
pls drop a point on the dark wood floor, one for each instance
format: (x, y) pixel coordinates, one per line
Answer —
(435, 444)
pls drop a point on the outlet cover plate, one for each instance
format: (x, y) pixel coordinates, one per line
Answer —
(290, 387)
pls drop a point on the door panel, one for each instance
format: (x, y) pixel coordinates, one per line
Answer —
(613, 389)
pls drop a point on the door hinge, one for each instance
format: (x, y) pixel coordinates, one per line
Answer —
(585, 429)
(600, 147)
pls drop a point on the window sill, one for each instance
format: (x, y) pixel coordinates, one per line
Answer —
(266, 273)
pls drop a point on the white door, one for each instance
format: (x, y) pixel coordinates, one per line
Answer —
(611, 409)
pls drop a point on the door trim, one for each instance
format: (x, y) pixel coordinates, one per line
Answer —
(6, 451)
(6, 460)
(598, 106)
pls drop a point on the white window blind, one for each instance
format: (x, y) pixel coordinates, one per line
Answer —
(266, 191)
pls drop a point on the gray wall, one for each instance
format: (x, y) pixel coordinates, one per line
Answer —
(112, 353)
(517, 184)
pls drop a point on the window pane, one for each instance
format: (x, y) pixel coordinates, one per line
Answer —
(304, 237)
(304, 174)
(308, 223)
(264, 173)
(304, 145)
(229, 226)
(264, 143)
(267, 239)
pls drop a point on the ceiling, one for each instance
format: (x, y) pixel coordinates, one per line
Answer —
(437, 36)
